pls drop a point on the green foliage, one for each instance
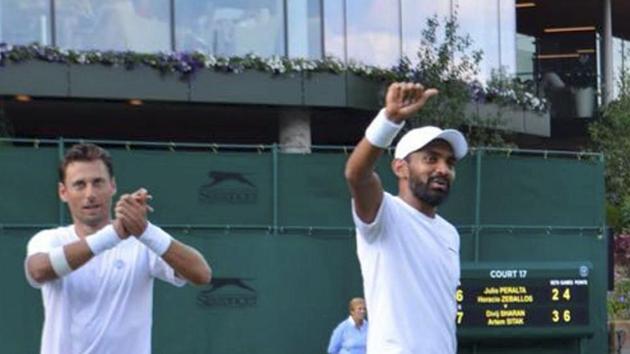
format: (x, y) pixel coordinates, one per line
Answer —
(447, 61)
(447, 64)
(613, 217)
(619, 300)
(609, 134)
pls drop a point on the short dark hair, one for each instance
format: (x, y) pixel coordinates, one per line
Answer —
(85, 153)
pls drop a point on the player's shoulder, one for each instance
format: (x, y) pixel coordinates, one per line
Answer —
(343, 325)
(52, 234)
(445, 225)
(394, 201)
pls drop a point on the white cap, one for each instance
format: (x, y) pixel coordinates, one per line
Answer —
(416, 139)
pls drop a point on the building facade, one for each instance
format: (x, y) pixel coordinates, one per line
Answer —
(570, 50)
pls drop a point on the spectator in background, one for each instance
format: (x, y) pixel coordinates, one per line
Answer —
(350, 335)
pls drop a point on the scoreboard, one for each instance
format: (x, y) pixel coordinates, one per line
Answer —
(500, 297)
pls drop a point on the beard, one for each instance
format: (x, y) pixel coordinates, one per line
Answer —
(424, 192)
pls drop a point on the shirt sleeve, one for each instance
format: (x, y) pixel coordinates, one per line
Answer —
(335, 340)
(370, 232)
(163, 271)
(42, 242)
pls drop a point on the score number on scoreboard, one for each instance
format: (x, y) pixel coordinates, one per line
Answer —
(509, 298)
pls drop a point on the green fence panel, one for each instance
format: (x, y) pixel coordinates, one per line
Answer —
(273, 294)
(28, 185)
(21, 310)
(514, 245)
(459, 208)
(277, 230)
(468, 245)
(531, 190)
(314, 191)
(200, 187)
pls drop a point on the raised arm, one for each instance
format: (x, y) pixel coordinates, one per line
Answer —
(402, 101)
(365, 185)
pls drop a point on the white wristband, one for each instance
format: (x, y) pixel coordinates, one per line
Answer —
(59, 262)
(103, 239)
(156, 239)
(382, 131)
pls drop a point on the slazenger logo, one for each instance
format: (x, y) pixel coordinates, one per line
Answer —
(228, 187)
(228, 292)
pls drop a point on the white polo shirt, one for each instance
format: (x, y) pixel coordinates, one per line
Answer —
(410, 268)
(105, 306)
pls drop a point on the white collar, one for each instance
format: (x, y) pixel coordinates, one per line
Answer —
(354, 323)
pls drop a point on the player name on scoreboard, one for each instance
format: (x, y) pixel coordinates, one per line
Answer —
(515, 300)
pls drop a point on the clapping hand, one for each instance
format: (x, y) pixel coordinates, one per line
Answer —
(131, 213)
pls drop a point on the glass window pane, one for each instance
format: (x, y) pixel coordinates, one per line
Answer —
(138, 25)
(25, 21)
(304, 32)
(618, 65)
(197, 29)
(414, 20)
(374, 31)
(507, 30)
(625, 67)
(334, 37)
(526, 51)
(228, 28)
(480, 19)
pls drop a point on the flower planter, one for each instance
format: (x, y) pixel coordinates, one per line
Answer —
(512, 119)
(537, 123)
(99, 81)
(34, 77)
(250, 87)
(363, 93)
(507, 117)
(325, 89)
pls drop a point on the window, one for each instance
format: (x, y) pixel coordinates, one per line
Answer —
(304, 29)
(526, 51)
(138, 25)
(414, 20)
(334, 29)
(228, 28)
(618, 65)
(373, 29)
(507, 33)
(25, 21)
(492, 27)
